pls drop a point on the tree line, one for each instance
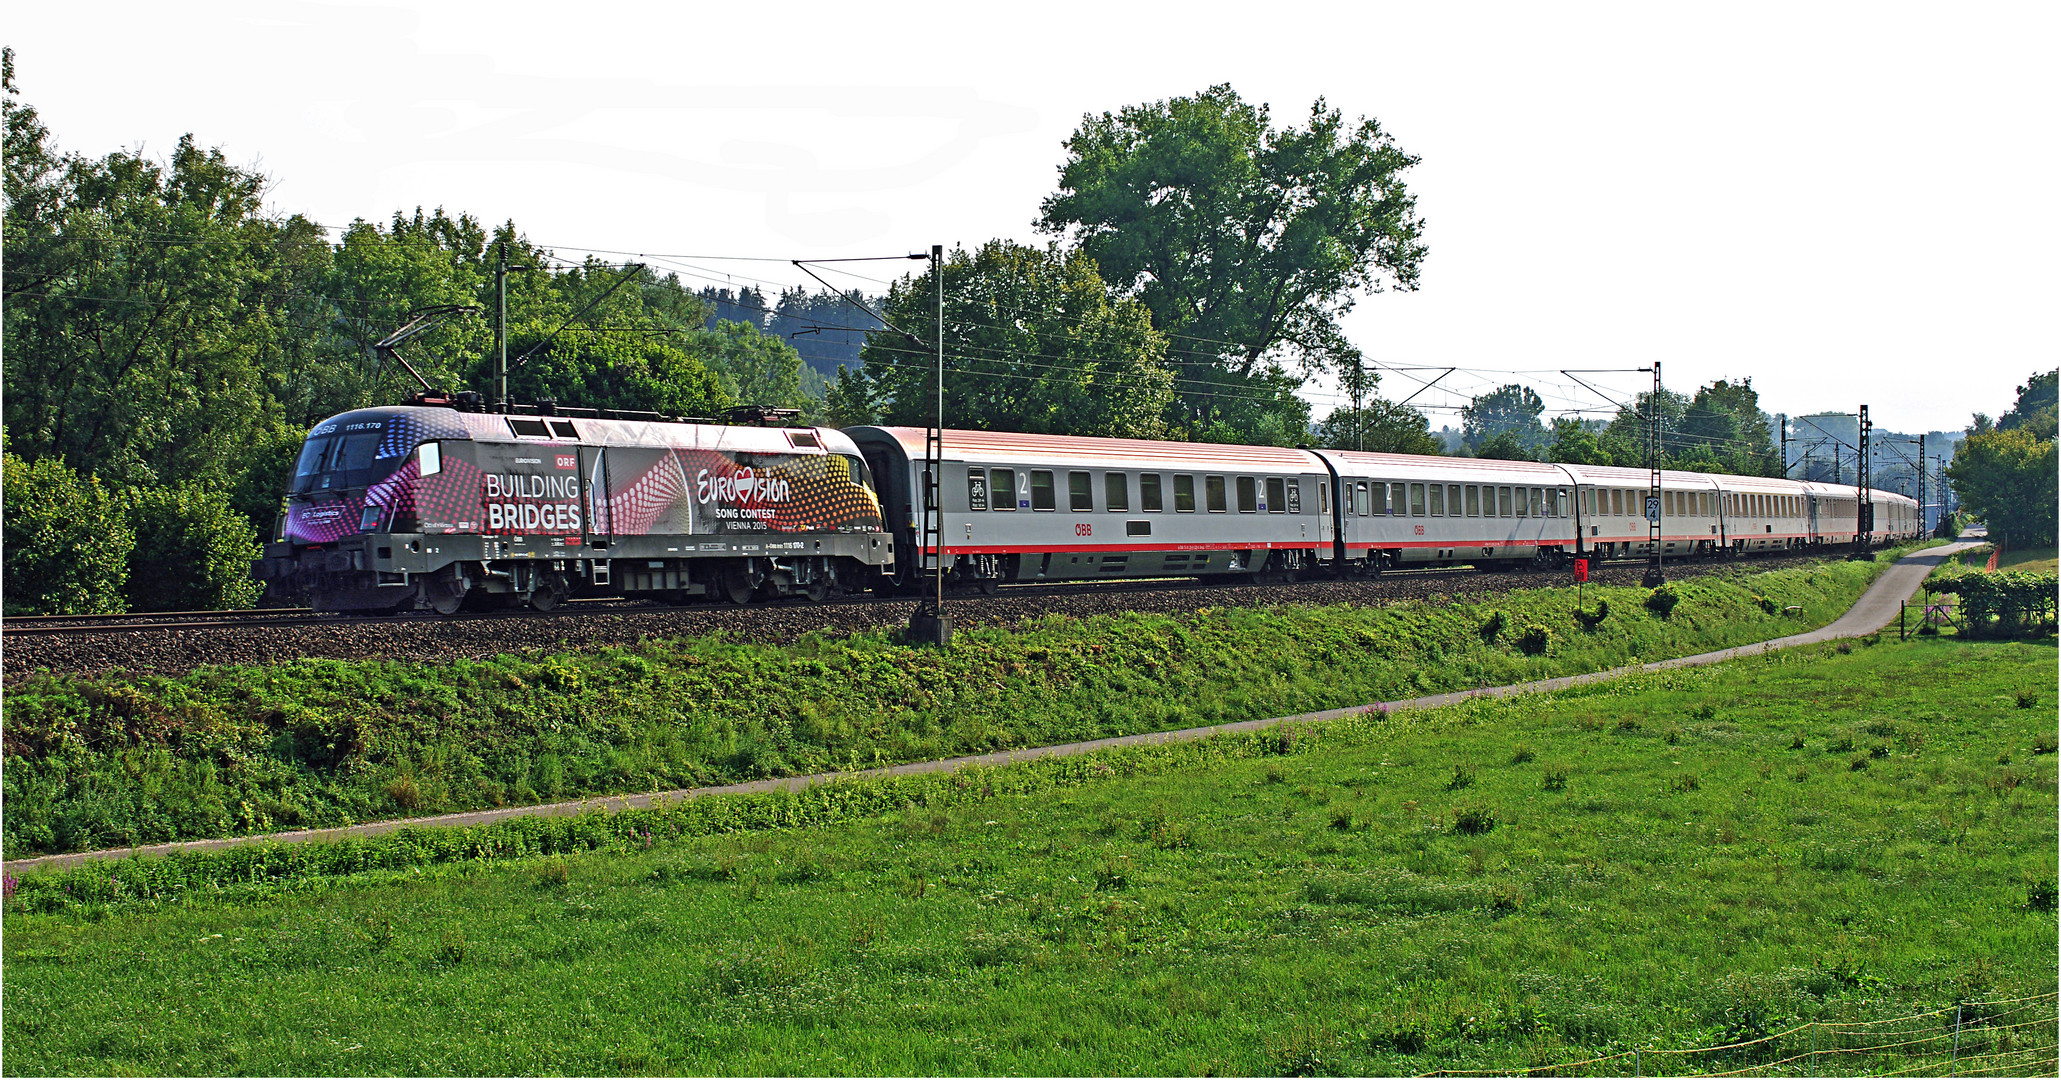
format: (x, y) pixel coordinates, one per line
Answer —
(169, 342)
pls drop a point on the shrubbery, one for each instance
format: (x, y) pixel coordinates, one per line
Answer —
(74, 547)
(2016, 599)
(67, 541)
(193, 551)
(1535, 640)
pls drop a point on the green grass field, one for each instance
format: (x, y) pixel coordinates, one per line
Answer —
(1663, 861)
(2029, 560)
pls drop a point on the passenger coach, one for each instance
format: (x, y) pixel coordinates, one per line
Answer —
(1054, 508)
(1398, 510)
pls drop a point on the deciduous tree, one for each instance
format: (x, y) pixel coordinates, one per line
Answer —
(1033, 342)
(1512, 410)
(1244, 241)
(2008, 479)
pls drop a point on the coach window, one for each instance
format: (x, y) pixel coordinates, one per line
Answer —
(1522, 506)
(1148, 493)
(1080, 492)
(1473, 501)
(1503, 502)
(1116, 492)
(1361, 507)
(1560, 504)
(1396, 496)
(1438, 500)
(1184, 494)
(1538, 502)
(1453, 500)
(1002, 482)
(1277, 496)
(1213, 491)
(1416, 500)
(976, 489)
(429, 458)
(1043, 495)
(1248, 495)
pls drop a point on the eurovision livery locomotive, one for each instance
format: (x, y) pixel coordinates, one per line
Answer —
(432, 507)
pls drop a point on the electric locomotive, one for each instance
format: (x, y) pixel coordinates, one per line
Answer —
(432, 506)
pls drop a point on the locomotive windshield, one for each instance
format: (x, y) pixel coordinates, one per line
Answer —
(336, 462)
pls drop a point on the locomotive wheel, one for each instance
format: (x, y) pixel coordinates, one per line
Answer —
(990, 586)
(444, 597)
(818, 591)
(548, 594)
(736, 585)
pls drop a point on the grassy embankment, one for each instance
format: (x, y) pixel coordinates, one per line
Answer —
(113, 761)
(2029, 560)
(1666, 860)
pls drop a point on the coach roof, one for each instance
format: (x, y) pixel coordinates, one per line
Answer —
(1011, 448)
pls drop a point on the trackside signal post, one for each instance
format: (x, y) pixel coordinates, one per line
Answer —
(1654, 575)
(930, 625)
(1864, 514)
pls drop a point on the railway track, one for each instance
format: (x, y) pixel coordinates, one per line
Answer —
(257, 618)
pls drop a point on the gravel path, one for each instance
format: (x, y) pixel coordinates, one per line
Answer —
(430, 639)
(1875, 609)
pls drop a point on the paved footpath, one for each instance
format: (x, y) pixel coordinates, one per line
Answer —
(1876, 609)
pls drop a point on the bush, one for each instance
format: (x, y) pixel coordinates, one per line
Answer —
(192, 553)
(1590, 621)
(67, 541)
(1474, 820)
(1662, 601)
(1493, 625)
(1534, 641)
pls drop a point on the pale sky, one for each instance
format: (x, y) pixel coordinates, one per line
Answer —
(1846, 203)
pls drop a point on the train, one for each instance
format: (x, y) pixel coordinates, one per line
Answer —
(444, 505)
